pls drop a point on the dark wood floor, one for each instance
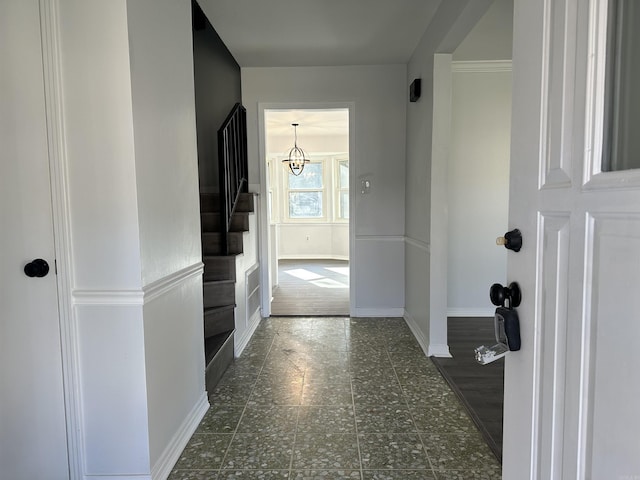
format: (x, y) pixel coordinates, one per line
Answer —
(479, 387)
(311, 288)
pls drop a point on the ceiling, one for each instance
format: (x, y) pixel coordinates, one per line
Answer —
(312, 122)
(289, 33)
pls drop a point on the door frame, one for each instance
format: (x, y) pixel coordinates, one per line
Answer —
(60, 203)
(264, 235)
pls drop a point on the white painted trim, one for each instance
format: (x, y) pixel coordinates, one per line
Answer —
(264, 237)
(171, 453)
(419, 244)
(481, 66)
(378, 312)
(163, 285)
(470, 312)
(138, 297)
(313, 257)
(417, 333)
(108, 297)
(439, 350)
(380, 238)
(242, 342)
(58, 164)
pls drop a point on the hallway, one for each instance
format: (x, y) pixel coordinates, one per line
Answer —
(334, 398)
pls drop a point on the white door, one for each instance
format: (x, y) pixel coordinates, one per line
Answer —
(33, 442)
(572, 392)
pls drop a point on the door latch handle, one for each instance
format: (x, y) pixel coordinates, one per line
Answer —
(505, 322)
(36, 268)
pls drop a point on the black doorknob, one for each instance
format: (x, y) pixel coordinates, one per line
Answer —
(36, 268)
(499, 295)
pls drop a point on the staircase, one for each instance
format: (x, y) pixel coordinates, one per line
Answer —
(219, 280)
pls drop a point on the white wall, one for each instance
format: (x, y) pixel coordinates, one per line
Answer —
(308, 241)
(379, 96)
(477, 185)
(491, 38)
(247, 317)
(133, 206)
(451, 24)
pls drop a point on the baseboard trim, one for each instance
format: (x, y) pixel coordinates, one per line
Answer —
(415, 329)
(439, 350)
(378, 312)
(470, 312)
(169, 457)
(242, 342)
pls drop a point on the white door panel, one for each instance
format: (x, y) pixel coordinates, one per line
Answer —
(571, 392)
(33, 443)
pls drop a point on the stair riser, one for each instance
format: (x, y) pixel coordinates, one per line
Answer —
(209, 202)
(219, 294)
(219, 268)
(210, 222)
(218, 321)
(211, 244)
(216, 367)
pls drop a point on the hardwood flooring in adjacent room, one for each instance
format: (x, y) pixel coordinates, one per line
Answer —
(479, 387)
(311, 288)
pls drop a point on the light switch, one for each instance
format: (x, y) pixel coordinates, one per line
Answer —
(366, 186)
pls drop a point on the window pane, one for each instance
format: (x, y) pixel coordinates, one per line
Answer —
(344, 174)
(344, 204)
(311, 177)
(621, 149)
(305, 204)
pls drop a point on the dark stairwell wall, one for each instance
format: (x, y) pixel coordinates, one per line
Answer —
(217, 90)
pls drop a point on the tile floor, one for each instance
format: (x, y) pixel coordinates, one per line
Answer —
(335, 398)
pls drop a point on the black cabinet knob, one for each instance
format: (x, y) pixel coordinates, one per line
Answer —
(36, 268)
(512, 240)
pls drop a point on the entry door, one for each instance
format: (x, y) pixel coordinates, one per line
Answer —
(33, 442)
(571, 393)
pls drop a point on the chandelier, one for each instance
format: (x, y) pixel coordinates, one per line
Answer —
(297, 158)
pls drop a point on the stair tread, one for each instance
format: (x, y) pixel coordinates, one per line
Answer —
(219, 309)
(219, 282)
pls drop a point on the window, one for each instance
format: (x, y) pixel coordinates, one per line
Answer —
(343, 189)
(306, 192)
(319, 194)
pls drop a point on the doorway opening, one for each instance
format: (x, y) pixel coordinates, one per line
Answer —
(308, 212)
(477, 204)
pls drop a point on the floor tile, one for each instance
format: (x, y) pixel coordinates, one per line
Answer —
(194, 475)
(392, 451)
(384, 419)
(259, 451)
(290, 407)
(446, 418)
(231, 394)
(469, 475)
(326, 419)
(221, 419)
(268, 419)
(459, 451)
(318, 451)
(376, 392)
(204, 451)
(273, 392)
(325, 475)
(398, 475)
(327, 394)
(253, 475)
